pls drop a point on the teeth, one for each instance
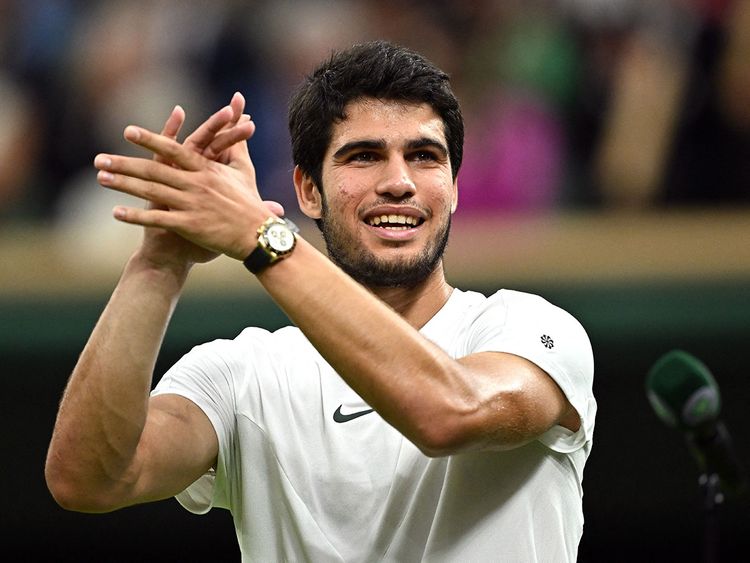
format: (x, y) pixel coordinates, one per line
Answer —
(394, 221)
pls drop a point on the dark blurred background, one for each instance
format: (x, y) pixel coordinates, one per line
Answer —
(607, 167)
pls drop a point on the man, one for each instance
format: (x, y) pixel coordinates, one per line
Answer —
(401, 419)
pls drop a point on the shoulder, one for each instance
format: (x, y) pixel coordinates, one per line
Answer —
(553, 339)
(530, 326)
(519, 307)
(518, 299)
(250, 340)
(231, 367)
(504, 302)
(230, 358)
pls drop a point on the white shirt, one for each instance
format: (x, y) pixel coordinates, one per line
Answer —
(302, 487)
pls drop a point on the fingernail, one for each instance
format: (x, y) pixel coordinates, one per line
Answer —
(132, 133)
(102, 161)
(119, 212)
(105, 177)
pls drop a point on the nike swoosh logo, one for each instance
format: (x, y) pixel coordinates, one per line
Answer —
(338, 416)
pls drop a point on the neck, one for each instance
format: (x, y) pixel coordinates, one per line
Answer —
(420, 303)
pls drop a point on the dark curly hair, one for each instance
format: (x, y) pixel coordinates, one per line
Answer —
(377, 69)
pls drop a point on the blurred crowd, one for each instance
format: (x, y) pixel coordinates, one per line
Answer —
(568, 103)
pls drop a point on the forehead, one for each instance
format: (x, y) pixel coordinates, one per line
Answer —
(392, 121)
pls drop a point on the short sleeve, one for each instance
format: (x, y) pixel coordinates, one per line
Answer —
(528, 326)
(206, 376)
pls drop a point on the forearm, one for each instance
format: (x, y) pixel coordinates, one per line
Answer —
(443, 405)
(406, 378)
(104, 407)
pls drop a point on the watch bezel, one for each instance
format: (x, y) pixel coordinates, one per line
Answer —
(266, 239)
(264, 254)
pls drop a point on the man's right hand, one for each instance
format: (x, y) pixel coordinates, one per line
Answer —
(212, 139)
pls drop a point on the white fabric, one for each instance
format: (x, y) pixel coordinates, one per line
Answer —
(302, 487)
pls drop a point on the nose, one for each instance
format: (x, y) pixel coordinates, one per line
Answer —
(396, 181)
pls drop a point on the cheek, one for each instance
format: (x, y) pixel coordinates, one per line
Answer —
(344, 194)
(441, 196)
(342, 201)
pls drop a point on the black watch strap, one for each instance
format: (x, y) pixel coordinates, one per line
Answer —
(257, 260)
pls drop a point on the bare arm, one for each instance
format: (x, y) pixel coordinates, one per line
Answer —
(489, 400)
(102, 437)
(111, 445)
(444, 406)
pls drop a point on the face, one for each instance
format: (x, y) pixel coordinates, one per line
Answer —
(388, 193)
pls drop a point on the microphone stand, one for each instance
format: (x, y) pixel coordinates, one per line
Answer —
(711, 446)
(713, 498)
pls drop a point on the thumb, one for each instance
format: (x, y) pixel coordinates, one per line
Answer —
(274, 207)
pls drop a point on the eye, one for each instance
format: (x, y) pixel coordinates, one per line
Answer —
(364, 156)
(424, 155)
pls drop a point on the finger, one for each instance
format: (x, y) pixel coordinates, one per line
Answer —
(169, 149)
(172, 126)
(274, 207)
(237, 103)
(174, 123)
(146, 217)
(225, 139)
(159, 195)
(199, 139)
(142, 169)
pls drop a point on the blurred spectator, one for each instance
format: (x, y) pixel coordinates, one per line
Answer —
(647, 92)
(658, 128)
(710, 164)
(32, 38)
(265, 50)
(19, 146)
(617, 103)
(127, 62)
(521, 67)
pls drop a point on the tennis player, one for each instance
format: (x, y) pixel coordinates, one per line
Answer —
(399, 419)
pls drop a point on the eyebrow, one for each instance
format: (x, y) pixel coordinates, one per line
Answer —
(425, 142)
(359, 145)
(379, 144)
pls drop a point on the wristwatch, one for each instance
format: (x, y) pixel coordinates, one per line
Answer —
(276, 240)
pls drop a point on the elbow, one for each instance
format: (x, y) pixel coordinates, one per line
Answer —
(73, 498)
(66, 496)
(446, 433)
(74, 494)
(472, 426)
(441, 441)
(435, 450)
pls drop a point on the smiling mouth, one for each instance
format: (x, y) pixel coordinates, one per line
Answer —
(394, 222)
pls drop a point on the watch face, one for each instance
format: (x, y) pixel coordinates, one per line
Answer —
(279, 237)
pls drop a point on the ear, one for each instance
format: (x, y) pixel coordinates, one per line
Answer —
(454, 203)
(308, 195)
